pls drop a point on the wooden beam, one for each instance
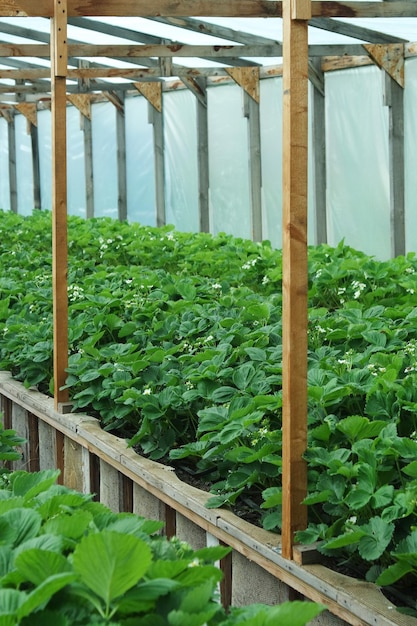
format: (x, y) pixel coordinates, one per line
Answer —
(11, 135)
(34, 138)
(252, 113)
(353, 30)
(157, 121)
(295, 278)
(59, 200)
(121, 161)
(205, 8)
(319, 148)
(394, 100)
(142, 50)
(202, 158)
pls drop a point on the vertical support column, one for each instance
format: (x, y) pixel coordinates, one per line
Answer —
(59, 62)
(11, 132)
(29, 110)
(86, 127)
(251, 110)
(152, 91)
(157, 120)
(36, 167)
(394, 99)
(121, 160)
(202, 158)
(319, 147)
(295, 137)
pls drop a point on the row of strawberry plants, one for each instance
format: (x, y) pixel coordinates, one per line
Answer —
(55, 540)
(175, 342)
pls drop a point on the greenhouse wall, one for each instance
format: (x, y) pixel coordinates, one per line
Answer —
(357, 162)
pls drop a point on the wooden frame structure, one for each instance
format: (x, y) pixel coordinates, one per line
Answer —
(296, 14)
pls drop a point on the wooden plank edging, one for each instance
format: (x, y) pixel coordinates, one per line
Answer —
(359, 603)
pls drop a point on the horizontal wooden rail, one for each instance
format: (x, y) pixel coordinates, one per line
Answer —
(93, 460)
(205, 8)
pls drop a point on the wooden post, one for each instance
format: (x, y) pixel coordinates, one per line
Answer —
(11, 130)
(121, 160)
(202, 158)
(319, 146)
(252, 113)
(394, 100)
(59, 197)
(295, 137)
(156, 118)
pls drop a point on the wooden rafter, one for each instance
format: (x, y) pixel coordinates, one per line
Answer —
(208, 8)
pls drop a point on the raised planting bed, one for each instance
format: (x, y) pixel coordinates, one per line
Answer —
(92, 460)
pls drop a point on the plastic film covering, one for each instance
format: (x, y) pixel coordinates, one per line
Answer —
(181, 173)
(75, 161)
(228, 162)
(4, 166)
(24, 167)
(45, 158)
(358, 193)
(410, 131)
(140, 165)
(75, 164)
(271, 144)
(104, 160)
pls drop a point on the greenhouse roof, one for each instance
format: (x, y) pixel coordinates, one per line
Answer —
(156, 47)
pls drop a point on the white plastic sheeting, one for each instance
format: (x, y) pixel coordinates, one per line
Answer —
(104, 160)
(228, 162)
(75, 163)
(271, 147)
(358, 193)
(181, 174)
(45, 158)
(140, 165)
(410, 149)
(23, 167)
(4, 167)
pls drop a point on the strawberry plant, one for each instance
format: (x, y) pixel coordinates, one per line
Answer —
(55, 541)
(176, 344)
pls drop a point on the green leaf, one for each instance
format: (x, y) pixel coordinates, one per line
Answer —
(347, 539)
(356, 427)
(37, 565)
(10, 601)
(411, 469)
(121, 561)
(31, 484)
(393, 573)
(72, 526)
(243, 375)
(44, 592)
(223, 394)
(25, 523)
(378, 535)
